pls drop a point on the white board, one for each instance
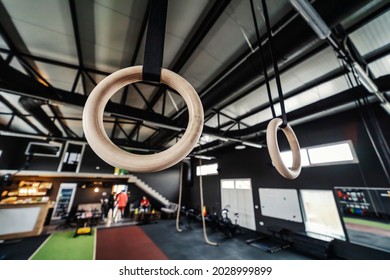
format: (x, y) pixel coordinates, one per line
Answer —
(17, 220)
(280, 204)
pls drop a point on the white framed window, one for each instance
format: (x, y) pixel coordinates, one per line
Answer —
(208, 169)
(43, 149)
(327, 154)
(320, 213)
(287, 158)
(332, 153)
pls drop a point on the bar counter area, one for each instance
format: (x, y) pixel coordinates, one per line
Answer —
(19, 220)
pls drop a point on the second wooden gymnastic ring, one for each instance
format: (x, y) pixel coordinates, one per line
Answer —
(274, 152)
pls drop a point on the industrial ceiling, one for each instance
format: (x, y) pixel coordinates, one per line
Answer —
(54, 52)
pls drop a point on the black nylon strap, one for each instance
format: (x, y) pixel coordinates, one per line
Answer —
(266, 79)
(154, 46)
(275, 64)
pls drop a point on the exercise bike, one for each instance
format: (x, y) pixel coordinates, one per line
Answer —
(226, 226)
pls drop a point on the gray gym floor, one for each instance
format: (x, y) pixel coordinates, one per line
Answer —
(190, 245)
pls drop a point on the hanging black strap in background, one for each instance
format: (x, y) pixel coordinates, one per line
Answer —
(275, 64)
(154, 46)
(271, 103)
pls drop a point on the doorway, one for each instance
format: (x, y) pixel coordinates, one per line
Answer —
(71, 157)
(237, 197)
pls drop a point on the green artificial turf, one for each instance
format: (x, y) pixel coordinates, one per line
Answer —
(367, 223)
(63, 246)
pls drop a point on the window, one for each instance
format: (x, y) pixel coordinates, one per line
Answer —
(328, 154)
(287, 158)
(43, 149)
(320, 213)
(71, 158)
(331, 153)
(209, 169)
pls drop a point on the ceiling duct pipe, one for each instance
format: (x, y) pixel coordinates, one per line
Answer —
(288, 41)
(33, 106)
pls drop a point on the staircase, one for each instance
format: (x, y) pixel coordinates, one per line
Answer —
(146, 188)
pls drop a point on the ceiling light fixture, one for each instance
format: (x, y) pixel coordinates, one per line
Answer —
(312, 17)
(240, 147)
(160, 125)
(254, 145)
(17, 134)
(204, 157)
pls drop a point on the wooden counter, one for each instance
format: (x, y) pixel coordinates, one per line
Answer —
(22, 220)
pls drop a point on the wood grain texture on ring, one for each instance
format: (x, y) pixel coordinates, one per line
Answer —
(274, 152)
(100, 143)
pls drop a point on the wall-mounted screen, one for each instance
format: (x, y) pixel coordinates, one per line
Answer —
(43, 149)
(281, 204)
(366, 215)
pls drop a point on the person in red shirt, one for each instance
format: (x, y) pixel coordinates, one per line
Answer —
(122, 202)
(144, 203)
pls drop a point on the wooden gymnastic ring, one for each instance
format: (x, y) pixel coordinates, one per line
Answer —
(274, 152)
(113, 155)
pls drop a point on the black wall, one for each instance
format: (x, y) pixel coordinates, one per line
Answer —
(91, 163)
(14, 158)
(249, 163)
(255, 164)
(165, 182)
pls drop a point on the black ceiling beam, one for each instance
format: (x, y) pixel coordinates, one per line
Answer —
(288, 41)
(75, 82)
(233, 120)
(369, 58)
(20, 115)
(80, 119)
(12, 37)
(54, 62)
(61, 120)
(35, 73)
(16, 43)
(137, 126)
(209, 21)
(284, 68)
(33, 106)
(320, 80)
(15, 82)
(345, 97)
(140, 94)
(130, 144)
(380, 11)
(377, 54)
(141, 35)
(76, 32)
(188, 49)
